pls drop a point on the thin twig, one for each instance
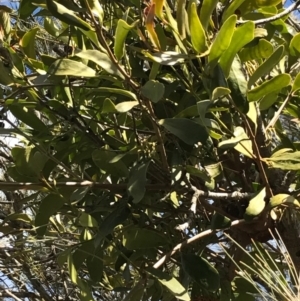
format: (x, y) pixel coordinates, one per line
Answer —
(190, 240)
(285, 12)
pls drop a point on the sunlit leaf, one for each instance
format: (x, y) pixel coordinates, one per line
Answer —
(256, 205)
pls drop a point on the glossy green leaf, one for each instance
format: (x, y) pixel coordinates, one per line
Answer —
(49, 206)
(126, 106)
(198, 36)
(171, 283)
(241, 36)
(102, 60)
(153, 90)
(222, 41)
(137, 182)
(267, 65)
(86, 220)
(182, 19)
(201, 271)
(295, 45)
(51, 26)
(262, 50)
(66, 15)
(142, 238)
(256, 205)
(64, 67)
(187, 130)
(219, 92)
(207, 8)
(278, 82)
(122, 31)
(168, 58)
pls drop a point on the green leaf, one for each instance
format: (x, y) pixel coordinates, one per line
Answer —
(198, 173)
(137, 182)
(94, 265)
(201, 271)
(187, 130)
(22, 217)
(28, 117)
(240, 142)
(207, 8)
(219, 221)
(237, 83)
(295, 45)
(142, 238)
(103, 159)
(60, 12)
(86, 220)
(198, 36)
(153, 90)
(122, 31)
(222, 41)
(62, 67)
(296, 84)
(256, 205)
(136, 293)
(115, 218)
(28, 42)
(51, 27)
(262, 50)
(126, 106)
(241, 36)
(114, 91)
(283, 199)
(102, 60)
(49, 206)
(231, 9)
(267, 65)
(173, 286)
(278, 82)
(168, 58)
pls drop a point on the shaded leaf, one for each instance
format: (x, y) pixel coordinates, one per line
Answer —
(28, 42)
(141, 238)
(187, 130)
(201, 271)
(66, 15)
(219, 221)
(49, 206)
(173, 286)
(86, 220)
(153, 90)
(137, 181)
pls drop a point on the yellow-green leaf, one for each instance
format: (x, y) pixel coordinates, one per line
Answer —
(198, 36)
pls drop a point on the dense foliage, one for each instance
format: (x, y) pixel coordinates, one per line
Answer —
(155, 139)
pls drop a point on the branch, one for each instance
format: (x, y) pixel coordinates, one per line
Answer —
(190, 240)
(236, 195)
(291, 8)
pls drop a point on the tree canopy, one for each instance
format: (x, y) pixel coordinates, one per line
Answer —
(157, 143)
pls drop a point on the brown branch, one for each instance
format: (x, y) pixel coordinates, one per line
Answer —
(285, 12)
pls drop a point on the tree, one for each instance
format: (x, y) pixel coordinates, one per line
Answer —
(148, 134)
